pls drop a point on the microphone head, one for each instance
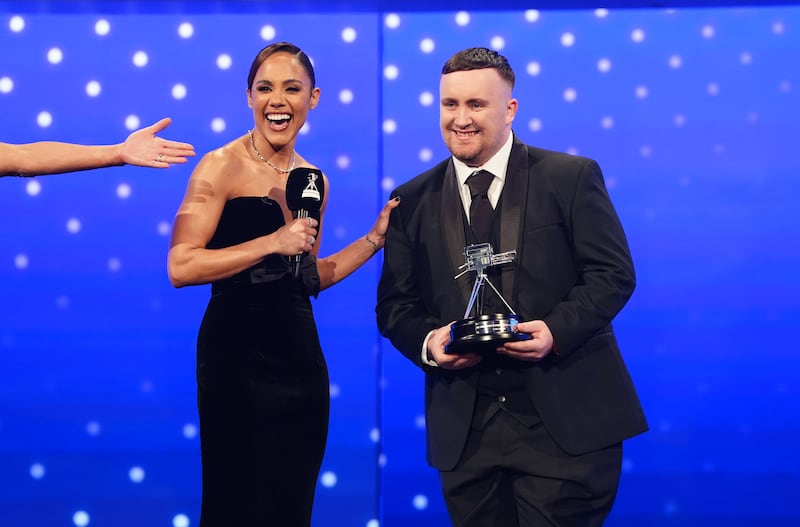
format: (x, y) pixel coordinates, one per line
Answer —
(305, 189)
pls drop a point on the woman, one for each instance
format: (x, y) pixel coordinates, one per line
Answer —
(262, 379)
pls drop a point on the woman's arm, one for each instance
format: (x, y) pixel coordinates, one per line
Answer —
(189, 262)
(141, 148)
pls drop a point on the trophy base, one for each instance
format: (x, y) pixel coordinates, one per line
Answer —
(483, 334)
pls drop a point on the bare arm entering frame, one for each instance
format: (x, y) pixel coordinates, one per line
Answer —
(141, 148)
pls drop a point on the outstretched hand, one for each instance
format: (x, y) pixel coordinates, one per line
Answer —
(144, 149)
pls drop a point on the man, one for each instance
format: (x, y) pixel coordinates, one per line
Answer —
(142, 148)
(530, 434)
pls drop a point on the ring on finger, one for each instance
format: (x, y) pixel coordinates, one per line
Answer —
(158, 158)
(310, 223)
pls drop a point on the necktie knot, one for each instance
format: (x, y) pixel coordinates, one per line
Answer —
(479, 183)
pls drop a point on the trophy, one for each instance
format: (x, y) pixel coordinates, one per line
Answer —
(483, 333)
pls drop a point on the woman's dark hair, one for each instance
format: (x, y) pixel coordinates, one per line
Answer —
(478, 59)
(281, 47)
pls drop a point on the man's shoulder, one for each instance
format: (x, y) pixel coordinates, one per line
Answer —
(422, 182)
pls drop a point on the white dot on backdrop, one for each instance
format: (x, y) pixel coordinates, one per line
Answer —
(570, 94)
(16, 24)
(713, 89)
(426, 98)
(641, 92)
(425, 155)
(392, 21)
(132, 122)
(387, 183)
(114, 264)
(531, 15)
(719, 149)
(497, 43)
(185, 30)
(675, 61)
(391, 72)
(21, 261)
(93, 428)
(334, 390)
(427, 45)
(607, 122)
(306, 128)
(746, 58)
(343, 162)
(179, 91)
(572, 150)
(189, 431)
(73, 225)
(645, 151)
(80, 518)
(267, 32)
(33, 188)
(180, 520)
(420, 502)
(163, 228)
(123, 191)
(389, 126)
(44, 119)
(6, 85)
(102, 27)
(534, 125)
(601, 13)
(785, 86)
(136, 474)
(62, 302)
(778, 28)
(55, 56)
(349, 34)
(328, 479)
(140, 59)
(37, 471)
(218, 124)
(346, 96)
(382, 459)
(567, 40)
(637, 35)
(375, 435)
(224, 61)
(462, 18)
(707, 31)
(93, 88)
(419, 422)
(373, 523)
(679, 120)
(533, 68)
(604, 65)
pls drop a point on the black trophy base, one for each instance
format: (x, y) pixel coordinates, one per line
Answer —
(483, 334)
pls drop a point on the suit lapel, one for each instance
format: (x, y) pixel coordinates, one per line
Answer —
(453, 231)
(512, 204)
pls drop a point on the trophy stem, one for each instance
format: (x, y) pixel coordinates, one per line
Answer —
(476, 287)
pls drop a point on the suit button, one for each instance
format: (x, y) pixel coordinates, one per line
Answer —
(498, 371)
(502, 398)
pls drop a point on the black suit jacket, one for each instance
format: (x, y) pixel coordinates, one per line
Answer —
(573, 270)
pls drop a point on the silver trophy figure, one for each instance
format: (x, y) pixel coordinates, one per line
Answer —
(483, 333)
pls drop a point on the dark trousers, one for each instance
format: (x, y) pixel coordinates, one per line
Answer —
(512, 475)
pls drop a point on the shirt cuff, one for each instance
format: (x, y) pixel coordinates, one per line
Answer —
(424, 355)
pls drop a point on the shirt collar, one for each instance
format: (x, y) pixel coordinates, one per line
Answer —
(497, 164)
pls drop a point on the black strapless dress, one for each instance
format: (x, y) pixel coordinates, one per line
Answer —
(263, 390)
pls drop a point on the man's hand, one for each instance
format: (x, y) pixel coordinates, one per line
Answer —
(534, 349)
(436, 343)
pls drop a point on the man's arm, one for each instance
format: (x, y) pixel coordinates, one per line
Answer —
(141, 148)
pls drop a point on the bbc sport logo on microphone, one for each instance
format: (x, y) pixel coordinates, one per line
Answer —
(311, 191)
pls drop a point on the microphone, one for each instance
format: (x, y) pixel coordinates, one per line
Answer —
(305, 189)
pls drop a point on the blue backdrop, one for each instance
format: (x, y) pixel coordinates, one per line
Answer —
(693, 114)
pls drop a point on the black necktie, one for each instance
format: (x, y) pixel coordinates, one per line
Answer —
(480, 211)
